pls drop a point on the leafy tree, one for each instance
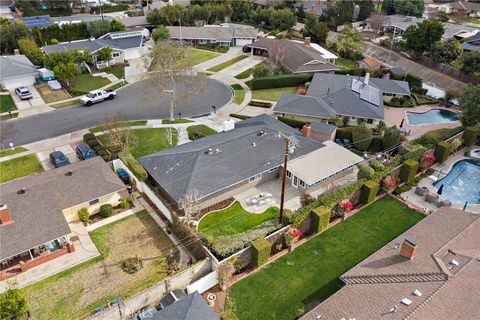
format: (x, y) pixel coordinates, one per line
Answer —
(199, 13)
(391, 137)
(301, 12)
(66, 72)
(361, 136)
(161, 33)
(71, 56)
(283, 19)
(116, 25)
(315, 29)
(262, 70)
(29, 48)
(388, 6)
(349, 43)
(99, 28)
(470, 105)
(104, 54)
(10, 34)
(423, 36)
(366, 9)
(409, 7)
(154, 17)
(13, 304)
(446, 51)
(470, 61)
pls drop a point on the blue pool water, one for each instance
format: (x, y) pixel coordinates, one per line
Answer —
(432, 116)
(462, 183)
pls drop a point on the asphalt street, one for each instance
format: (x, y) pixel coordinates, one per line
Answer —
(139, 101)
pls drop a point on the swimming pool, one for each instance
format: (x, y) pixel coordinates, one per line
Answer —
(462, 183)
(431, 116)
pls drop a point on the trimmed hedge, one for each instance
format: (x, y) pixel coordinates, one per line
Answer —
(413, 80)
(344, 133)
(369, 191)
(239, 116)
(442, 151)
(293, 123)
(279, 81)
(106, 210)
(408, 170)
(365, 172)
(88, 136)
(320, 219)
(377, 144)
(187, 237)
(133, 165)
(260, 251)
(261, 104)
(470, 135)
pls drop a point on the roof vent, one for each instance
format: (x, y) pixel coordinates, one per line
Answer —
(406, 301)
(452, 264)
(417, 293)
(253, 144)
(22, 191)
(69, 173)
(210, 151)
(218, 150)
(262, 132)
(394, 309)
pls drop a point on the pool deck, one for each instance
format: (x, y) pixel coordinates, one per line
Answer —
(441, 170)
(394, 116)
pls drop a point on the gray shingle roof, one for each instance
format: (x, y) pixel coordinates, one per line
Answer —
(234, 159)
(96, 44)
(472, 43)
(295, 56)
(37, 214)
(303, 105)
(191, 307)
(15, 66)
(323, 127)
(218, 33)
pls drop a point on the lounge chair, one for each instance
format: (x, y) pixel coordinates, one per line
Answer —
(431, 197)
(421, 191)
(445, 203)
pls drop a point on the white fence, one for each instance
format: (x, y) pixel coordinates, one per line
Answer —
(204, 283)
(143, 187)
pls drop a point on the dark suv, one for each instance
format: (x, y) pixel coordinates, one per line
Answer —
(58, 159)
(84, 152)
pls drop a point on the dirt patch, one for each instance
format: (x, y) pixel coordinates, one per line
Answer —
(78, 292)
(50, 95)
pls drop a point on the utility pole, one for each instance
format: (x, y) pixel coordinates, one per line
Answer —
(391, 44)
(281, 218)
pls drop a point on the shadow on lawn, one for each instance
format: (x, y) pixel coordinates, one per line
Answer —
(321, 295)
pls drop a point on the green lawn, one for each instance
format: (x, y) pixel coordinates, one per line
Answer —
(8, 117)
(19, 167)
(239, 96)
(176, 121)
(245, 74)
(201, 128)
(272, 94)
(195, 56)
(118, 85)
(65, 104)
(234, 220)
(345, 64)
(87, 82)
(128, 123)
(118, 72)
(300, 280)
(152, 140)
(6, 103)
(9, 152)
(226, 64)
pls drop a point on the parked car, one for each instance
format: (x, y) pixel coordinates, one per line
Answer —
(84, 152)
(46, 74)
(23, 93)
(58, 159)
(246, 48)
(97, 96)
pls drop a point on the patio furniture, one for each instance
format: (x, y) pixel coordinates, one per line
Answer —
(421, 191)
(262, 202)
(445, 203)
(254, 201)
(431, 197)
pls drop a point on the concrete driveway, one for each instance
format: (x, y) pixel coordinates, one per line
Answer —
(67, 149)
(36, 101)
(242, 65)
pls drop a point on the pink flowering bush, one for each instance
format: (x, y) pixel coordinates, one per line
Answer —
(292, 236)
(347, 205)
(389, 182)
(427, 160)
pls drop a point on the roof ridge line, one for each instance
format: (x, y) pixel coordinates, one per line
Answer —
(425, 301)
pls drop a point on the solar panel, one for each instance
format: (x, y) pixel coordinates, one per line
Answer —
(356, 85)
(370, 94)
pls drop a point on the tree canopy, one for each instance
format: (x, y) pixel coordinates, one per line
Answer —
(470, 105)
(315, 29)
(161, 33)
(404, 7)
(470, 61)
(423, 36)
(13, 304)
(349, 43)
(29, 48)
(446, 51)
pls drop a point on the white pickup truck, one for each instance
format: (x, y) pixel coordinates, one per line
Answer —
(97, 96)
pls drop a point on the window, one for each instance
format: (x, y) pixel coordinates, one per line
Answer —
(94, 201)
(353, 118)
(289, 174)
(115, 54)
(369, 121)
(256, 177)
(273, 169)
(302, 183)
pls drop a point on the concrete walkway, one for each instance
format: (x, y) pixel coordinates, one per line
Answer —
(229, 55)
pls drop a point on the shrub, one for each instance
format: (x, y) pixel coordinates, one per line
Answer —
(106, 210)
(381, 126)
(279, 81)
(126, 203)
(413, 80)
(92, 143)
(377, 165)
(225, 271)
(427, 160)
(239, 116)
(346, 205)
(293, 123)
(408, 170)
(365, 172)
(260, 251)
(391, 137)
(187, 237)
(83, 215)
(377, 144)
(388, 183)
(369, 191)
(344, 133)
(320, 219)
(89, 136)
(362, 137)
(442, 151)
(306, 199)
(261, 104)
(470, 135)
(132, 265)
(134, 166)
(456, 143)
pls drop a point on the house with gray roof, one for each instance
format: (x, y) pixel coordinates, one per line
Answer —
(125, 45)
(190, 307)
(222, 165)
(331, 95)
(294, 56)
(16, 71)
(35, 211)
(222, 35)
(472, 43)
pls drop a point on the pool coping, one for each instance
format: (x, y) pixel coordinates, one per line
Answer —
(427, 110)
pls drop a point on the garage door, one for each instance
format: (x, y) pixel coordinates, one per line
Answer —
(242, 42)
(134, 53)
(13, 83)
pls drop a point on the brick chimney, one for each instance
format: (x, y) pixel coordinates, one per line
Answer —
(307, 41)
(409, 248)
(307, 130)
(16, 52)
(5, 217)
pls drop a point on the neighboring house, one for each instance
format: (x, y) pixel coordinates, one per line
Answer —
(468, 8)
(222, 165)
(316, 7)
(125, 45)
(36, 210)
(80, 18)
(37, 21)
(296, 56)
(431, 271)
(472, 43)
(320, 131)
(213, 34)
(331, 95)
(16, 71)
(190, 307)
(458, 31)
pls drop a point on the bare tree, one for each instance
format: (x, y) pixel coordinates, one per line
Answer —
(6, 133)
(376, 21)
(189, 203)
(118, 135)
(275, 56)
(169, 136)
(168, 65)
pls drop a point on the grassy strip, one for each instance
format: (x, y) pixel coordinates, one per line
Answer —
(128, 123)
(200, 129)
(65, 104)
(118, 85)
(226, 64)
(8, 117)
(166, 121)
(9, 152)
(19, 167)
(118, 72)
(239, 96)
(195, 56)
(6, 103)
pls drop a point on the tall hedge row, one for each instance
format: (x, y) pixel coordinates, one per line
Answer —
(279, 81)
(408, 170)
(369, 191)
(470, 135)
(442, 151)
(320, 219)
(293, 123)
(260, 251)
(133, 165)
